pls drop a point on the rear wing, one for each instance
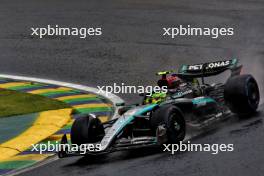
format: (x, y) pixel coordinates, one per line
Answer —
(209, 69)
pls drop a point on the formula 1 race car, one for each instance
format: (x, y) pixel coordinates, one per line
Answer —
(164, 118)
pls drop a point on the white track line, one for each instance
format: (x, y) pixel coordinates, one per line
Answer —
(38, 164)
(113, 98)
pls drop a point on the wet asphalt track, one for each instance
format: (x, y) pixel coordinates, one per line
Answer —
(131, 50)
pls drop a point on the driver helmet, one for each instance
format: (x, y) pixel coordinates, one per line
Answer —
(172, 82)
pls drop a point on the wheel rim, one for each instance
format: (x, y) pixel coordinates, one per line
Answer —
(177, 125)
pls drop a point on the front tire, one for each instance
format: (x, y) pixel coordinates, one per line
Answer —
(242, 94)
(172, 119)
(87, 129)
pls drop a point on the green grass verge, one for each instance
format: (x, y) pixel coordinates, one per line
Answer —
(18, 103)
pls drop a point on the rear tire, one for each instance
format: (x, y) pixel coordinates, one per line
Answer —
(242, 94)
(86, 129)
(172, 119)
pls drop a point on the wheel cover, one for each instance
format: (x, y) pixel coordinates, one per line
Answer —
(177, 125)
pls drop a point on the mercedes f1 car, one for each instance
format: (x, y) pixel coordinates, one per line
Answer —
(164, 117)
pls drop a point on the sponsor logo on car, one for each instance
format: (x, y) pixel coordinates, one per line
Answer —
(211, 65)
